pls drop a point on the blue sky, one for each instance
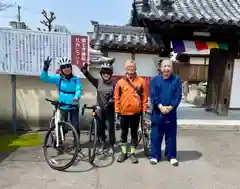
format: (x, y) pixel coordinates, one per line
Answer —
(74, 14)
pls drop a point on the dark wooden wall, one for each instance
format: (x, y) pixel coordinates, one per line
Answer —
(194, 73)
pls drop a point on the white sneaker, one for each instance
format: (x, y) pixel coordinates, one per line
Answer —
(174, 162)
(153, 161)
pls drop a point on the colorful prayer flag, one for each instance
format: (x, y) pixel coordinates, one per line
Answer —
(180, 46)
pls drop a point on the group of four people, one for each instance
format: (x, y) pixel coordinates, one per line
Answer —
(125, 100)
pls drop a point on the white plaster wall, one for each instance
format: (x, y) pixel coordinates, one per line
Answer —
(5, 101)
(235, 100)
(33, 112)
(146, 64)
(120, 59)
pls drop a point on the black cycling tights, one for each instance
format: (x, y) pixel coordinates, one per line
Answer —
(106, 118)
(74, 118)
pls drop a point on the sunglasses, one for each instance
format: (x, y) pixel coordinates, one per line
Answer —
(108, 73)
(65, 66)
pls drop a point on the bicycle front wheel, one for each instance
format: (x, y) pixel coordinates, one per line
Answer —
(92, 140)
(66, 152)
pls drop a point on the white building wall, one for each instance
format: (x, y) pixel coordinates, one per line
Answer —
(120, 59)
(33, 112)
(235, 100)
(146, 64)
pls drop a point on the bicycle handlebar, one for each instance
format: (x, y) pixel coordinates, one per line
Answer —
(58, 104)
(93, 108)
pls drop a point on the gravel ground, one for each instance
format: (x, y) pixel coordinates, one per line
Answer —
(208, 160)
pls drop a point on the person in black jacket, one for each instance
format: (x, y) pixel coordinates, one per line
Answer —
(105, 94)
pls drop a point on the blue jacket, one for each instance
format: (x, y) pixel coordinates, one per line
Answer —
(68, 89)
(167, 92)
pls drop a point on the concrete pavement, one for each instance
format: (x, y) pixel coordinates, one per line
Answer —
(208, 160)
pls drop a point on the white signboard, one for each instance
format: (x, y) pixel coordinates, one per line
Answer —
(22, 52)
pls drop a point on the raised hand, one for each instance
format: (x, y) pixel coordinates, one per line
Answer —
(47, 63)
(84, 68)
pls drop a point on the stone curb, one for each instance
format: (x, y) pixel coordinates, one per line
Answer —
(225, 125)
(209, 127)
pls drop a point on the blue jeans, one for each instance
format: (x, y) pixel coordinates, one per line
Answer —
(169, 129)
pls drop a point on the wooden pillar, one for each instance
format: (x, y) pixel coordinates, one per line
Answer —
(218, 62)
(225, 83)
(219, 81)
(209, 101)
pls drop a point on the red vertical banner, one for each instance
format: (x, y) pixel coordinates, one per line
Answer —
(80, 52)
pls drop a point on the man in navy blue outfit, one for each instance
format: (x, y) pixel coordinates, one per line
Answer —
(165, 94)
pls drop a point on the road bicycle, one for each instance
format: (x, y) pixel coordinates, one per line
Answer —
(94, 140)
(144, 135)
(57, 134)
(93, 132)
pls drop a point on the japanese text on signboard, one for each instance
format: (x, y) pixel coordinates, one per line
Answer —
(80, 50)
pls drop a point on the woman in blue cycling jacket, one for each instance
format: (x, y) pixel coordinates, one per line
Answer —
(69, 89)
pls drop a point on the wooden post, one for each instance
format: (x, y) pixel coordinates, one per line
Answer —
(225, 82)
(209, 102)
(218, 62)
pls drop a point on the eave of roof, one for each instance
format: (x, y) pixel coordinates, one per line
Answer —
(217, 12)
(124, 37)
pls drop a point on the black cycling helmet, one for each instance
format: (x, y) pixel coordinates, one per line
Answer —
(106, 68)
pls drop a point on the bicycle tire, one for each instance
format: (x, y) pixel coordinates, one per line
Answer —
(144, 136)
(52, 123)
(93, 137)
(76, 144)
(139, 137)
(145, 141)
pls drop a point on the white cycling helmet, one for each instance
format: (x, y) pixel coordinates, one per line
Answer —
(64, 61)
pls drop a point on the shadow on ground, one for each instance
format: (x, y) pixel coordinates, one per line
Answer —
(190, 155)
(4, 155)
(4, 145)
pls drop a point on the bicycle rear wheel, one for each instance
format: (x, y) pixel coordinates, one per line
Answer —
(64, 148)
(139, 136)
(145, 136)
(145, 139)
(92, 140)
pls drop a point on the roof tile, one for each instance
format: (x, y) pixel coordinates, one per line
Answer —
(123, 37)
(225, 12)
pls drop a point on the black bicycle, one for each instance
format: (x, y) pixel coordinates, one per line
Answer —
(58, 133)
(94, 140)
(144, 135)
(93, 132)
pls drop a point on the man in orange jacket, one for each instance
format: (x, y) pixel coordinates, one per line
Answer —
(131, 102)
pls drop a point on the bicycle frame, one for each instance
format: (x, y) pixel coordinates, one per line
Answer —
(58, 127)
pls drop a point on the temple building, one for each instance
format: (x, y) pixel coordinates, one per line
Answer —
(159, 27)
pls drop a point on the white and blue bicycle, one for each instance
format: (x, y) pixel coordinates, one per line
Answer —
(57, 139)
